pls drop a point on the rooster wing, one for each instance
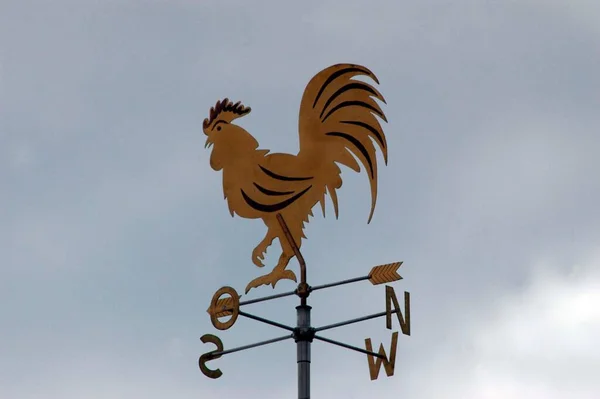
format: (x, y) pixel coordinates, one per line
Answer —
(277, 181)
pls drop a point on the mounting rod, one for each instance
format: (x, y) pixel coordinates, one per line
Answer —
(354, 348)
(266, 321)
(357, 320)
(241, 348)
(303, 289)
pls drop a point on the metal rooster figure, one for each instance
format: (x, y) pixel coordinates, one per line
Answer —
(337, 125)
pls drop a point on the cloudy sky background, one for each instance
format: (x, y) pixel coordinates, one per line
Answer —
(114, 234)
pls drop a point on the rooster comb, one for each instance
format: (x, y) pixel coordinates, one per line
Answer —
(228, 110)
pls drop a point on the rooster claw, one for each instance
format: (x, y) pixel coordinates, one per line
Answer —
(257, 261)
(258, 256)
(271, 279)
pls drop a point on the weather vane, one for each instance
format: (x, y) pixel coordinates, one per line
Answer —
(338, 125)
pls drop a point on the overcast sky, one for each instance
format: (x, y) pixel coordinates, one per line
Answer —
(114, 234)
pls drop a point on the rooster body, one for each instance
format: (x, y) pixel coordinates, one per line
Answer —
(337, 120)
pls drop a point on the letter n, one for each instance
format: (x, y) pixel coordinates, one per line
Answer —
(388, 365)
(390, 296)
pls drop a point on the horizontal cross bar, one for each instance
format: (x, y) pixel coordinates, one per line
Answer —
(241, 348)
(273, 323)
(354, 348)
(357, 320)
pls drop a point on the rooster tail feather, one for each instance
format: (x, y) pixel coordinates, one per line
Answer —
(339, 124)
(322, 202)
(334, 199)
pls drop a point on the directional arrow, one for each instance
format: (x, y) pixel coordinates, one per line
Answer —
(378, 275)
(385, 273)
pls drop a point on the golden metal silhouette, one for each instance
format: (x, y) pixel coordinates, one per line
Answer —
(390, 297)
(388, 364)
(214, 374)
(337, 123)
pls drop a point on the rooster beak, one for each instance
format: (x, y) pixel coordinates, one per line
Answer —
(208, 143)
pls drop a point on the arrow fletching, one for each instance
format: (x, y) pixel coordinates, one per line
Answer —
(385, 273)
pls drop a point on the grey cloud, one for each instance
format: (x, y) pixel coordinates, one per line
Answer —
(114, 229)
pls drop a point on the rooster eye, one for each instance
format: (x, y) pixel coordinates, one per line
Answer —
(218, 128)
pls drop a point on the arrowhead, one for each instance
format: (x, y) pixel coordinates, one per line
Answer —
(385, 273)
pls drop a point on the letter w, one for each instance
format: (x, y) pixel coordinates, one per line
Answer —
(388, 365)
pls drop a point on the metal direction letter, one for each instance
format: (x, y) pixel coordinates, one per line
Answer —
(224, 307)
(385, 273)
(390, 296)
(209, 356)
(388, 365)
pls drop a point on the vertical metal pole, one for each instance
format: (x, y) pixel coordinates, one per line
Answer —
(303, 333)
(303, 341)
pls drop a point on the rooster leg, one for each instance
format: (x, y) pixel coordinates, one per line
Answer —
(258, 254)
(279, 272)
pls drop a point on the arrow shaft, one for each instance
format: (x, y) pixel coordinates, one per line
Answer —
(267, 298)
(241, 348)
(354, 348)
(352, 280)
